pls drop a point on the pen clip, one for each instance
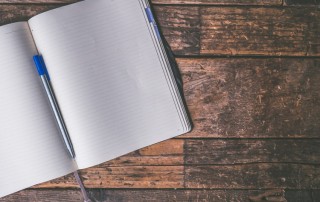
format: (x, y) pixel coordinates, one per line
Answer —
(149, 15)
(152, 21)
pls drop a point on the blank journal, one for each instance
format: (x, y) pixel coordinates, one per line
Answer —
(112, 79)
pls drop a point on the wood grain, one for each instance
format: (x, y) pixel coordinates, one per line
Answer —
(260, 31)
(103, 195)
(181, 28)
(253, 97)
(301, 2)
(243, 31)
(254, 176)
(204, 152)
(189, 2)
(123, 177)
(169, 152)
(201, 2)
(221, 2)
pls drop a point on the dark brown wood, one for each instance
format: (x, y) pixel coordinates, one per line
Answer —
(253, 98)
(260, 31)
(301, 2)
(170, 152)
(242, 31)
(185, 2)
(221, 2)
(53, 195)
(124, 177)
(204, 152)
(103, 195)
(254, 176)
(305, 196)
(199, 2)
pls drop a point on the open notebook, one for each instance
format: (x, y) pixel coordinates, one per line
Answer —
(113, 80)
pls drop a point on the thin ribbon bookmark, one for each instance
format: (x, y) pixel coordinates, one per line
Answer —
(83, 189)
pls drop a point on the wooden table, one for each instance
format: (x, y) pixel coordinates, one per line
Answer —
(251, 72)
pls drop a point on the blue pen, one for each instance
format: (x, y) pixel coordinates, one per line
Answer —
(152, 21)
(43, 73)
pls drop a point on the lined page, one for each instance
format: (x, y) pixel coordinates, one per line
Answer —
(108, 78)
(31, 150)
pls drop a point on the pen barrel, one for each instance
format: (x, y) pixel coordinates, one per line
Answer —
(58, 115)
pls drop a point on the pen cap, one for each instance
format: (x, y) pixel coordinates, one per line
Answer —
(40, 65)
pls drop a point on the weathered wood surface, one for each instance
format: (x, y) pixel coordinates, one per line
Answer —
(253, 97)
(241, 31)
(240, 2)
(301, 2)
(221, 2)
(124, 177)
(226, 152)
(102, 195)
(190, 2)
(254, 176)
(257, 131)
(202, 2)
(260, 31)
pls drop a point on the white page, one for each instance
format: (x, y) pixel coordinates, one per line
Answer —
(108, 78)
(31, 150)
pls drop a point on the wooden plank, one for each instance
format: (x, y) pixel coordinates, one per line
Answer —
(104, 195)
(242, 31)
(123, 177)
(253, 98)
(165, 153)
(196, 2)
(53, 195)
(305, 196)
(203, 152)
(260, 31)
(134, 177)
(38, 1)
(253, 176)
(301, 2)
(169, 147)
(220, 2)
